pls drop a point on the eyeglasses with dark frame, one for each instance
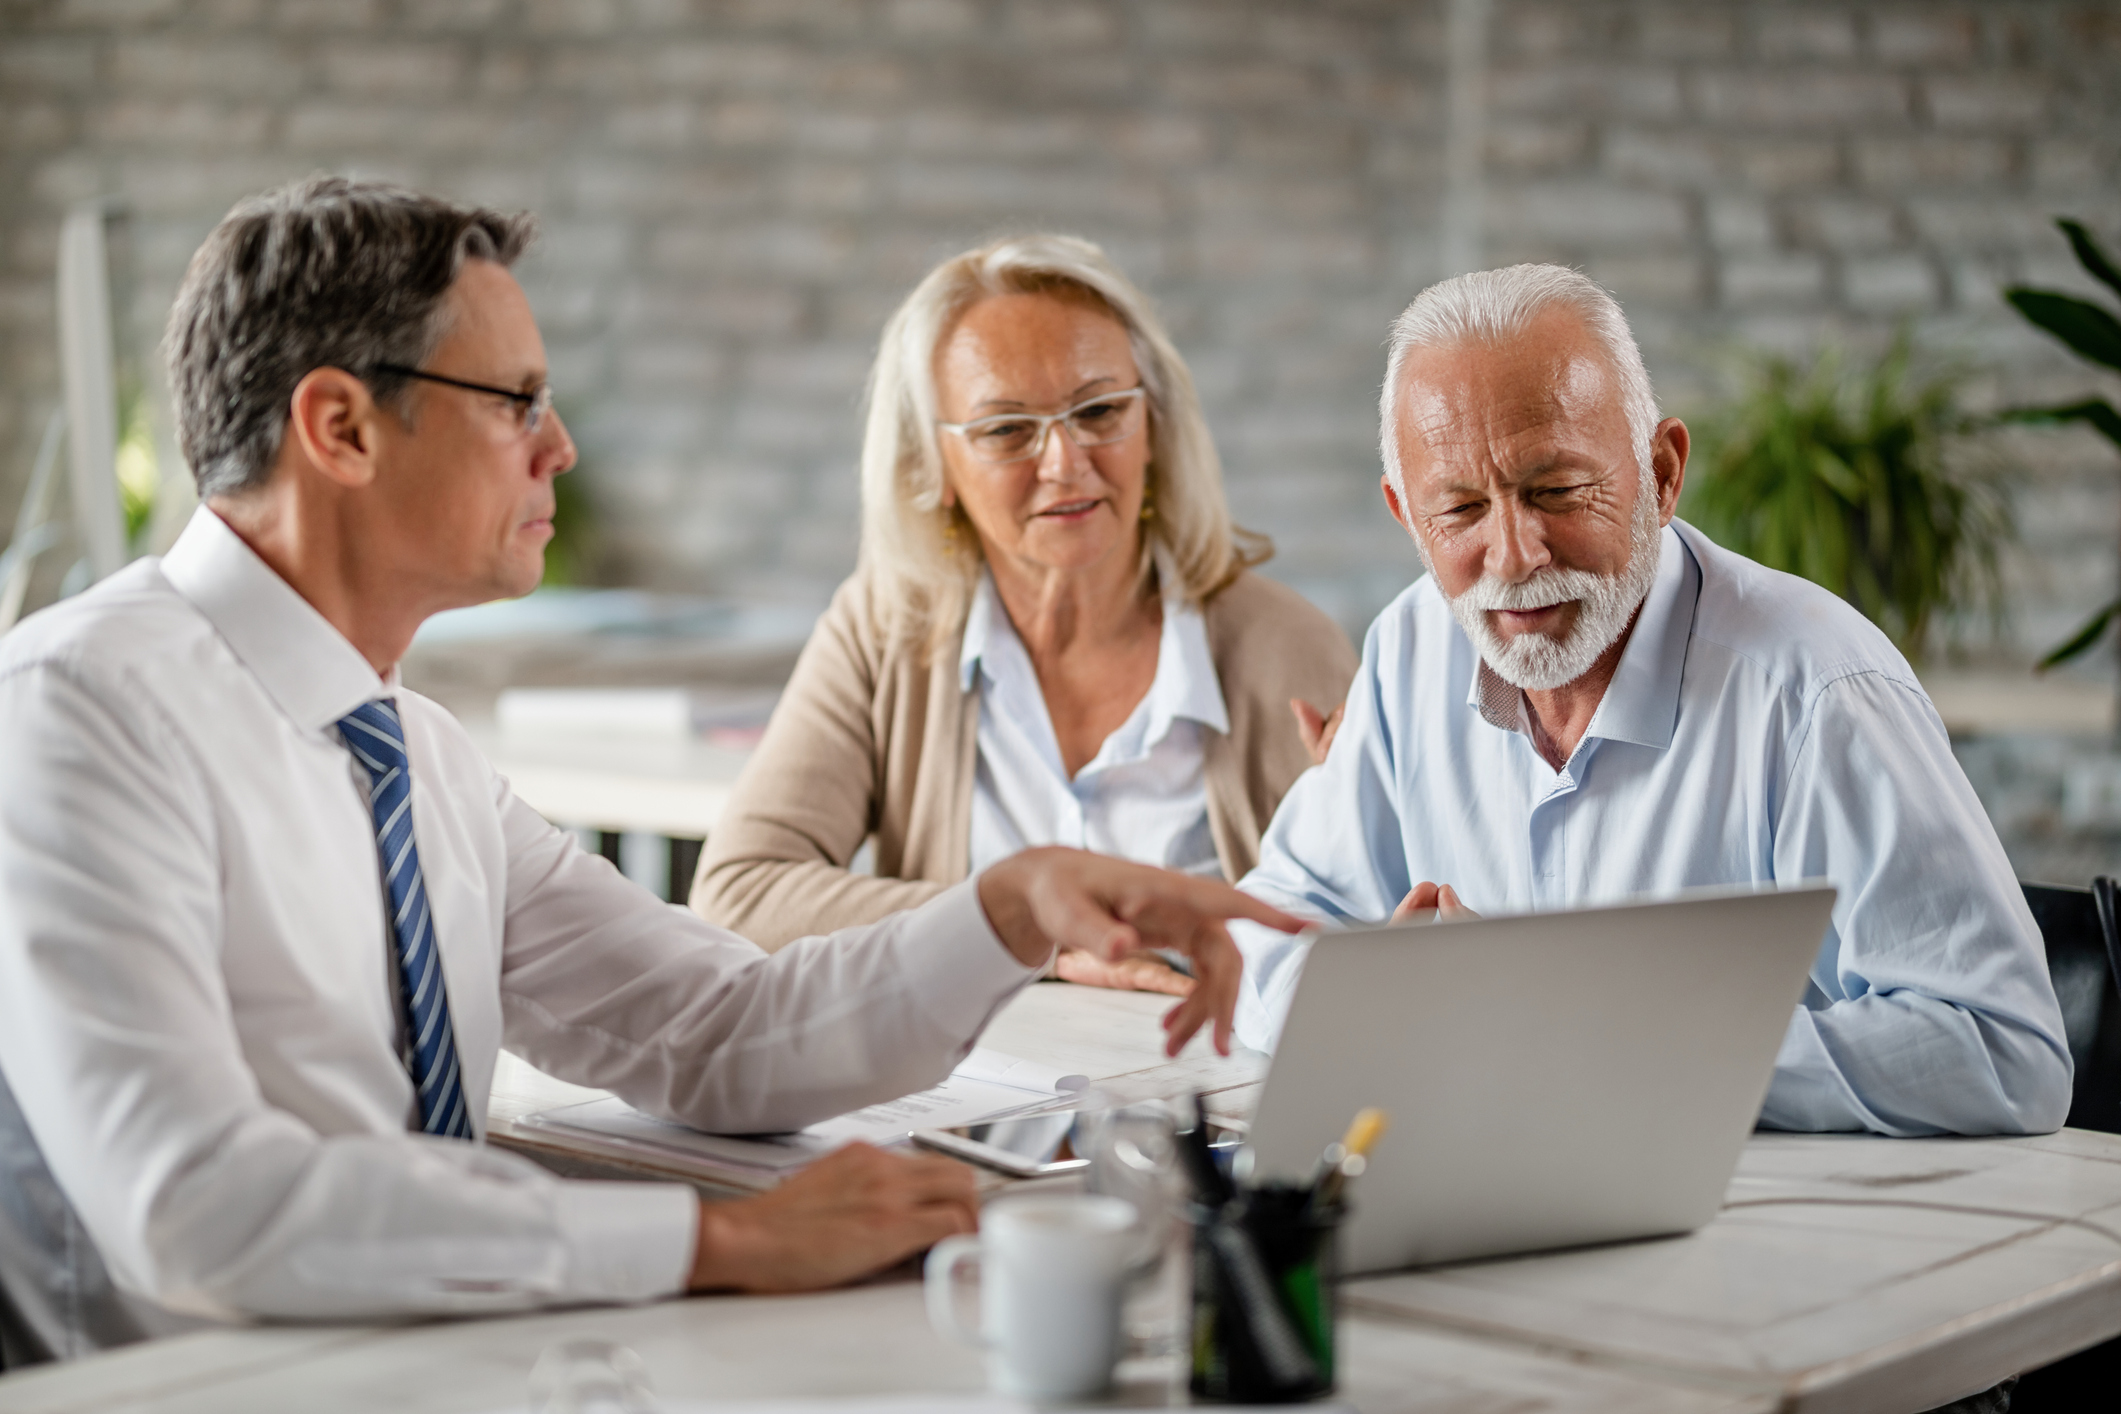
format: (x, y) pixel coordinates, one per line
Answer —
(1020, 436)
(531, 407)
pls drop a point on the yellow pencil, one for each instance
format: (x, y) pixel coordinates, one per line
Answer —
(1365, 1130)
(1347, 1159)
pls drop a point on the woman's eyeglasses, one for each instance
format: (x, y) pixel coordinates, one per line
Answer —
(1019, 436)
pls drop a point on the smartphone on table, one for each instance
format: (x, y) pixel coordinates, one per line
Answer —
(1029, 1146)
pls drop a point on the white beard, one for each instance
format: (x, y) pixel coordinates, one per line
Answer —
(1533, 661)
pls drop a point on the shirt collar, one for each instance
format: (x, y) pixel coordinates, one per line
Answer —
(305, 665)
(1641, 704)
(979, 625)
(1186, 684)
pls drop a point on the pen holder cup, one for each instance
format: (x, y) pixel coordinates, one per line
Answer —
(1265, 1278)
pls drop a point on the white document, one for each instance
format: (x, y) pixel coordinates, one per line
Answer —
(971, 1095)
(1005, 1069)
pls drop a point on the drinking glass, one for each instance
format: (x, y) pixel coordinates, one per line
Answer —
(590, 1377)
(1133, 1154)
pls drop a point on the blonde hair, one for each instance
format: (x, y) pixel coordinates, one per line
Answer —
(922, 569)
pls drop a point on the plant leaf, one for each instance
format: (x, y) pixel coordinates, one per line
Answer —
(2084, 326)
(2097, 411)
(2082, 640)
(2089, 255)
(1846, 473)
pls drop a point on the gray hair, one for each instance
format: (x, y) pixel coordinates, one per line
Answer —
(1489, 306)
(326, 273)
(924, 568)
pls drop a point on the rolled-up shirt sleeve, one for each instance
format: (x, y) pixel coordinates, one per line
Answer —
(1930, 1009)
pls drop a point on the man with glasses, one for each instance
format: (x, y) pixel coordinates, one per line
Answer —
(266, 917)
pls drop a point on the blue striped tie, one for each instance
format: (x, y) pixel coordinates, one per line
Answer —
(374, 735)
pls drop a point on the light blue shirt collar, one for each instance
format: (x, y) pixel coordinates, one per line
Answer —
(1641, 704)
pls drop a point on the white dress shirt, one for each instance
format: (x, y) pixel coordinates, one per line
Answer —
(1143, 797)
(198, 1014)
(1757, 729)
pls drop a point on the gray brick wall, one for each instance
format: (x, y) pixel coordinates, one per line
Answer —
(736, 193)
(1771, 176)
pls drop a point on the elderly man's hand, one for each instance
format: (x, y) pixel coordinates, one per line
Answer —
(1052, 898)
(1317, 728)
(1431, 903)
(855, 1211)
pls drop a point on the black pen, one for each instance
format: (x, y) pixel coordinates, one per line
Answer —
(1210, 1184)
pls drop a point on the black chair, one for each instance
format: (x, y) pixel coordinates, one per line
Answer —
(2084, 957)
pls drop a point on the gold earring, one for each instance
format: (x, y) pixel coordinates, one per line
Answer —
(1148, 505)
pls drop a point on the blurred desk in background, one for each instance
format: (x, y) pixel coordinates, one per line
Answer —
(2005, 701)
(643, 799)
(602, 638)
(615, 783)
(645, 803)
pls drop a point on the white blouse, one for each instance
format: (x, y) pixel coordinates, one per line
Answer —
(1143, 796)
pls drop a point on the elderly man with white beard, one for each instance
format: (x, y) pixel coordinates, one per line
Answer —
(1586, 700)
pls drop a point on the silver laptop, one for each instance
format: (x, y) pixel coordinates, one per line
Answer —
(1552, 1079)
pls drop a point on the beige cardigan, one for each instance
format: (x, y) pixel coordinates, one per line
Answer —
(869, 739)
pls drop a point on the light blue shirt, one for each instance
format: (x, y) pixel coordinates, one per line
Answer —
(1757, 729)
(1144, 796)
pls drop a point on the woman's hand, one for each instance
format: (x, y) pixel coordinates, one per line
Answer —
(1138, 973)
(1317, 728)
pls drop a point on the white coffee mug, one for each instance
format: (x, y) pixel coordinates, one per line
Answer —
(1052, 1273)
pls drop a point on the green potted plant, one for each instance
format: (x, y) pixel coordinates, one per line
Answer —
(2095, 335)
(1858, 480)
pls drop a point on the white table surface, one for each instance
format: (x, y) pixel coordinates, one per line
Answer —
(871, 1340)
(1844, 1275)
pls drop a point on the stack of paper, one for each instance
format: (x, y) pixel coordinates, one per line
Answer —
(986, 1085)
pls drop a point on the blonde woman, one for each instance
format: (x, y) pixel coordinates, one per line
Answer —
(1052, 636)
